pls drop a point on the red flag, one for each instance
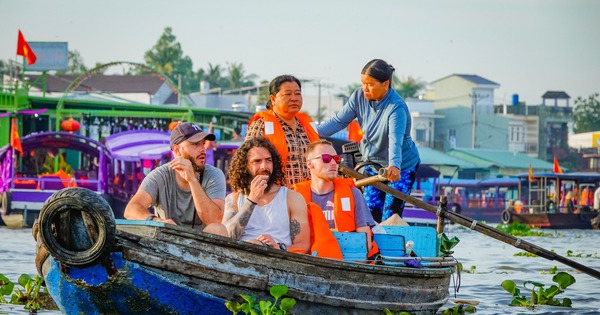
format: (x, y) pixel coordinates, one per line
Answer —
(15, 141)
(24, 50)
(556, 168)
(531, 180)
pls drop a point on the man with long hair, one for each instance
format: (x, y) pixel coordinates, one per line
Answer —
(260, 210)
(185, 191)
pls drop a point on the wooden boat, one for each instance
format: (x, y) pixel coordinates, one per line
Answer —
(98, 266)
(543, 201)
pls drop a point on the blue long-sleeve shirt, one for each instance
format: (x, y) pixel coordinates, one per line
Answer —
(386, 126)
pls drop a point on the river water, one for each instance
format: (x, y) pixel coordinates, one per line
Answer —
(493, 260)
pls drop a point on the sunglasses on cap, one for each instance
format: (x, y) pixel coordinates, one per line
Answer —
(328, 157)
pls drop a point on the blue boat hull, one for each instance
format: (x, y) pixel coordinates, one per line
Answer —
(131, 289)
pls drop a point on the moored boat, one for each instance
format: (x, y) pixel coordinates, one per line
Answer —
(139, 267)
(50, 162)
(555, 201)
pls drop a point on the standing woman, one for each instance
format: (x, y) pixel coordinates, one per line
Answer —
(385, 120)
(288, 129)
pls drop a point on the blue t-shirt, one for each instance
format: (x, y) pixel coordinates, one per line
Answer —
(362, 214)
(386, 126)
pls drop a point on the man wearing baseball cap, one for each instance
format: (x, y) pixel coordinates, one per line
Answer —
(186, 191)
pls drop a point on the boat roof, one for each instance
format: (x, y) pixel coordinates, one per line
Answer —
(579, 176)
(62, 140)
(136, 145)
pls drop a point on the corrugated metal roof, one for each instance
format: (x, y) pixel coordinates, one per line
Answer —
(477, 79)
(106, 83)
(500, 158)
(556, 95)
(433, 157)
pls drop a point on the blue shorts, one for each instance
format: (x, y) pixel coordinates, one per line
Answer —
(382, 205)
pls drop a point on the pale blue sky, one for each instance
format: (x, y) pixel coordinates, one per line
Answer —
(527, 46)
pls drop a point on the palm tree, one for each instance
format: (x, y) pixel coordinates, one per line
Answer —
(409, 87)
(237, 77)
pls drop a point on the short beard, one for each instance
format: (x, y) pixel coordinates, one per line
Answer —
(250, 177)
(197, 167)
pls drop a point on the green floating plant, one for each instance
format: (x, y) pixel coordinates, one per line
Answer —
(29, 297)
(539, 295)
(264, 307)
(459, 309)
(520, 229)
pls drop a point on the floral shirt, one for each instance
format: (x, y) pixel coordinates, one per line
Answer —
(295, 167)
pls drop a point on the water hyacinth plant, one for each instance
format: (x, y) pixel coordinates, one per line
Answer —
(539, 295)
(264, 307)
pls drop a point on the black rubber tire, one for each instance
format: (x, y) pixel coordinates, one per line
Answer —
(66, 234)
(5, 199)
(506, 217)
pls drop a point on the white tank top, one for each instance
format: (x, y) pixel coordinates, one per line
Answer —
(272, 218)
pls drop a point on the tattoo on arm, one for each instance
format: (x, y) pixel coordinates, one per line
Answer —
(237, 219)
(294, 229)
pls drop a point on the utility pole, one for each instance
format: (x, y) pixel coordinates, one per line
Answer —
(474, 101)
(319, 102)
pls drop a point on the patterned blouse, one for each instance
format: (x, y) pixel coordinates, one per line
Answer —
(296, 170)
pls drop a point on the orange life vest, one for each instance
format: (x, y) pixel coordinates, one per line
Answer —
(344, 220)
(322, 240)
(277, 138)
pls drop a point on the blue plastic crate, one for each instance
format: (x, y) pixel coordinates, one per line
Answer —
(353, 245)
(390, 245)
(425, 238)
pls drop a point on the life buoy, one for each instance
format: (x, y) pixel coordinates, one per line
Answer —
(77, 226)
(506, 217)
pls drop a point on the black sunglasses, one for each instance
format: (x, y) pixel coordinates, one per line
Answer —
(328, 157)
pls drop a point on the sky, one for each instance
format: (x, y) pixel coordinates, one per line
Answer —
(528, 47)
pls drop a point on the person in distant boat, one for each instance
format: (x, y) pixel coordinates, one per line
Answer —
(597, 199)
(210, 147)
(289, 129)
(237, 134)
(185, 191)
(260, 210)
(385, 121)
(340, 203)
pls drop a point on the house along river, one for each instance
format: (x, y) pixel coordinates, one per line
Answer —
(493, 260)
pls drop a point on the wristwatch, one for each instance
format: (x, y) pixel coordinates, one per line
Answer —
(282, 247)
(150, 217)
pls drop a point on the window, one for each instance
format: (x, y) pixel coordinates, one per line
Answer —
(421, 135)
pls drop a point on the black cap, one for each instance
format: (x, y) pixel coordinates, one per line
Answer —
(188, 131)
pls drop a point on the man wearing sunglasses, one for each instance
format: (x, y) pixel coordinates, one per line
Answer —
(342, 204)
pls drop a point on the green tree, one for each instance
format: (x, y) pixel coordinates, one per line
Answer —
(263, 92)
(408, 87)
(347, 91)
(213, 75)
(75, 65)
(586, 114)
(237, 76)
(167, 57)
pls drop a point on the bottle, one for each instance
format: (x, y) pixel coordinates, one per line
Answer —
(409, 247)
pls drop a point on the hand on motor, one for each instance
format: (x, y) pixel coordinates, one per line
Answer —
(393, 173)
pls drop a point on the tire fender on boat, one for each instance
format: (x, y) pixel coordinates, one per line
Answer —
(77, 227)
(5, 199)
(506, 216)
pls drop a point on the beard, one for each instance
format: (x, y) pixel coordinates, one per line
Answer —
(270, 181)
(198, 168)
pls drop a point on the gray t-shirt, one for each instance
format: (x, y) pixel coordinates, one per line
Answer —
(172, 202)
(362, 214)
